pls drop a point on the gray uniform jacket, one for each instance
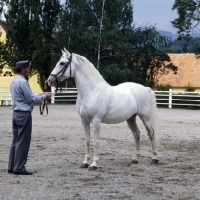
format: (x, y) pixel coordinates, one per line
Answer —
(22, 96)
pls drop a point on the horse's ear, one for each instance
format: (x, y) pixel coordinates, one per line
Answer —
(67, 52)
(62, 52)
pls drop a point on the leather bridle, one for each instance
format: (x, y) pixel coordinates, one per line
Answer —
(62, 71)
(43, 105)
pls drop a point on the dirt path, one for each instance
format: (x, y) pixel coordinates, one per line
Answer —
(58, 148)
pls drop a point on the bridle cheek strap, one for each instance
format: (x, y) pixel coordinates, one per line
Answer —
(62, 71)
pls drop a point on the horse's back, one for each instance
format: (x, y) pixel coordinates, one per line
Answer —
(138, 91)
(126, 100)
(140, 94)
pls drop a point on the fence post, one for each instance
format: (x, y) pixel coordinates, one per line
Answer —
(7, 101)
(52, 95)
(170, 98)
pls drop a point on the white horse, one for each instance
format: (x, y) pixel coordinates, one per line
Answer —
(98, 102)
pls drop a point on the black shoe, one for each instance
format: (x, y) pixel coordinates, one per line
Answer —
(23, 173)
(10, 172)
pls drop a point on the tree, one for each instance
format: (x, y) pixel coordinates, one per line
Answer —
(1, 8)
(92, 28)
(2, 62)
(31, 25)
(46, 44)
(132, 53)
(145, 63)
(89, 28)
(79, 28)
(183, 46)
(188, 19)
(2, 4)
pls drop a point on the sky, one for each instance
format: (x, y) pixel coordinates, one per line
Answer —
(154, 12)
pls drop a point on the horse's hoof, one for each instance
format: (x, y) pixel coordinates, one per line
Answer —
(134, 161)
(154, 161)
(84, 165)
(92, 168)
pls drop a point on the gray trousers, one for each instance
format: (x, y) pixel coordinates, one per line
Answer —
(22, 128)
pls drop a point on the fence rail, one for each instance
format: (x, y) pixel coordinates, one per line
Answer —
(5, 96)
(168, 99)
(178, 99)
(64, 95)
(164, 98)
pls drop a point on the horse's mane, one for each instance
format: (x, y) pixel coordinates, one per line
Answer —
(85, 62)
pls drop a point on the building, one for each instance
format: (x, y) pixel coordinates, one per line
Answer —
(7, 75)
(188, 72)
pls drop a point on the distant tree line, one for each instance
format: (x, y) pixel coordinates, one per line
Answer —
(183, 46)
(102, 31)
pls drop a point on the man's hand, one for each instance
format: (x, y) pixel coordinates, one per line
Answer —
(48, 96)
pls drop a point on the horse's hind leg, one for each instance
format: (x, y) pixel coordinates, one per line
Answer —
(86, 126)
(136, 133)
(151, 135)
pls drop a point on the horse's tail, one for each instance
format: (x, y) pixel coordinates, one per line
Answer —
(154, 117)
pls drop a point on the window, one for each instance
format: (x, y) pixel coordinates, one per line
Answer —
(7, 74)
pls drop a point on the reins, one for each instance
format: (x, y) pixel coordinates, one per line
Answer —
(62, 71)
(43, 106)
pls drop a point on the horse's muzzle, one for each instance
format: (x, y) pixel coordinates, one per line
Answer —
(51, 81)
(50, 84)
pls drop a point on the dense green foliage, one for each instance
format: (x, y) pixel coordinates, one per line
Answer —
(30, 34)
(187, 24)
(2, 3)
(189, 88)
(188, 19)
(1, 8)
(102, 31)
(127, 53)
(2, 62)
(163, 87)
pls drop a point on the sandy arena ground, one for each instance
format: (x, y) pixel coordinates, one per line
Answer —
(58, 148)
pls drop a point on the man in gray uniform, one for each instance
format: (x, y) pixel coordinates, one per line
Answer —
(22, 105)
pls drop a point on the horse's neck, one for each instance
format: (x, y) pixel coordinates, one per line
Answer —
(87, 78)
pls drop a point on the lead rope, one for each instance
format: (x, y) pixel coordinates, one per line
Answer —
(43, 105)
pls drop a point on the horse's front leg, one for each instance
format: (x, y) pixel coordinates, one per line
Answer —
(96, 127)
(86, 126)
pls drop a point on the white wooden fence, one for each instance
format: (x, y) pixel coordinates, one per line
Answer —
(178, 98)
(5, 96)
(63, 95)
(168, 98)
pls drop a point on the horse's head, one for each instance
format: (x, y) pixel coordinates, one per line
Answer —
(62, 69)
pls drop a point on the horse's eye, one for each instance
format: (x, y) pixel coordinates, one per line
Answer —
(62, 63)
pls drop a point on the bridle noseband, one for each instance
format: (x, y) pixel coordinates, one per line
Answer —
(62, 71)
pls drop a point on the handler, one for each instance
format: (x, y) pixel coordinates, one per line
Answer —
(22, 105)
